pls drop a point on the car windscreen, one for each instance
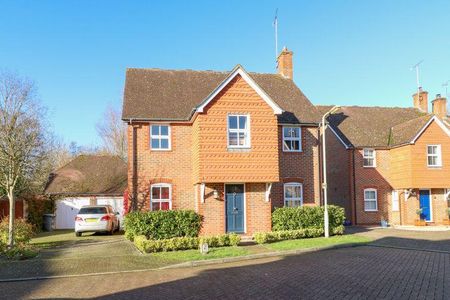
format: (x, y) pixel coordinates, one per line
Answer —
(92, 210)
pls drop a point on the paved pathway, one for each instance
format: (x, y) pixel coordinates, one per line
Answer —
(366, 272)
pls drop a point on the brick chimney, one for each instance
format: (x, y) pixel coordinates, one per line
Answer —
(439, 106)
(284, 63)
(421, 100)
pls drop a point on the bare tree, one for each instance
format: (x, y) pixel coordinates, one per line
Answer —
(23, 139)
(113, 132)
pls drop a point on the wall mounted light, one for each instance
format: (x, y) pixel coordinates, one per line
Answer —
(216, 194)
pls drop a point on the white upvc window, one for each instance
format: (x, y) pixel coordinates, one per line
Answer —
(434, 156)
(369, 157)
(370, 200)
(395, 201)
(238, 131)
(293, 194)
(160, 137)
(161, 196)
(292, 139)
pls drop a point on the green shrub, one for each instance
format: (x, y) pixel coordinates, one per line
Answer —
(294, 218)
(184, 243)
(158, 225)
(23, 232)
(37, 207)
(19, 252)
(274, 236)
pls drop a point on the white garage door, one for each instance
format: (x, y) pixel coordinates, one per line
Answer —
(66, 211)
(115, 202)
(68, 208)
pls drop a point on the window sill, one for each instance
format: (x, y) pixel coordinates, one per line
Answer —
(238, 149)
(434, 167)
(292, 151)
(369, 167)
(371, 210)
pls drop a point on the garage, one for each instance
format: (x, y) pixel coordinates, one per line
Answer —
(66, 209)
(87, 180)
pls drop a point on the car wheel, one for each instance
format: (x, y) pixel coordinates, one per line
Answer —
(78, 234)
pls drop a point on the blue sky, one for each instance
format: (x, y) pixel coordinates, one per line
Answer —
(345, 52)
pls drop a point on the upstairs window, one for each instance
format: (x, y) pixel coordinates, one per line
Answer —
(160, 137)
(434, 158)
(161, 197)
(238, 131)
(369, 158)
(370, 200)
(293, 194)
(292, 139)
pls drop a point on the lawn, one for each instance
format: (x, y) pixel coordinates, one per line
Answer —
(188, 255)
(317, 242)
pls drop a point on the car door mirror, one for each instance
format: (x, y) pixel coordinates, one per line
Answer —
(117, 213)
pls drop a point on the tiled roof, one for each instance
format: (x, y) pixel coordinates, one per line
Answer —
(360, 126)
(155, 94)
(89, 175)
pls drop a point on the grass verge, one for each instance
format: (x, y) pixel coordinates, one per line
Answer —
(317, 242)
(189, 255)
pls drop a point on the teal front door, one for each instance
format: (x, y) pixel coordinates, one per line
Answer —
(234, 198)
(425, 205)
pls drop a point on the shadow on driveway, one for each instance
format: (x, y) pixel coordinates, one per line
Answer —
(358, 272)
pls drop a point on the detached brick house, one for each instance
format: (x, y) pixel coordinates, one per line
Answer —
(230, 145)
(386, 163)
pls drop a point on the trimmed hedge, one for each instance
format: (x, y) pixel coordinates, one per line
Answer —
(295, 218)
(159, 225)
(274, 236)
(184, 243)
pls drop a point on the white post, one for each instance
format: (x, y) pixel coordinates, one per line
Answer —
(324, 168)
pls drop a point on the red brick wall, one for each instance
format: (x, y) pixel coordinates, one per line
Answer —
(372, 178)
(174, 166)
(258, 211)
(338, 174)
(302, 167)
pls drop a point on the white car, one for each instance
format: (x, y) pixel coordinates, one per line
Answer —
(96, 218)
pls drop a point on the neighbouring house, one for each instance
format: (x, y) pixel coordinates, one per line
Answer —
(230, 145)
(87, 180)
(386, 163)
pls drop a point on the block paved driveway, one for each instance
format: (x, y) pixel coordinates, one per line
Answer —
(377, 271)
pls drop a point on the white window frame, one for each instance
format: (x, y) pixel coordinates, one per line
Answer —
(299, 138)
(374, 157)
(395, 201)
(160, 185)
(438, 156)
(447, 194)
(293, 199)
(246, 131)
(371, 200)
(160, 137)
